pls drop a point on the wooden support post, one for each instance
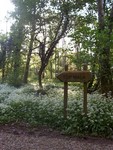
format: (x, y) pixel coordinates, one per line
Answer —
(65, 95)
(85, 99)
(85, 93)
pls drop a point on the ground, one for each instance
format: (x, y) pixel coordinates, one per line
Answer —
(16, 137)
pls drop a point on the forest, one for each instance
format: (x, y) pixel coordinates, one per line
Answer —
(45, 36)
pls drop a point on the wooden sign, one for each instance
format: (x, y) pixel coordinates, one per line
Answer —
(74, 76)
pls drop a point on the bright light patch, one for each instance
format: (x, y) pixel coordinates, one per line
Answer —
(5, 7)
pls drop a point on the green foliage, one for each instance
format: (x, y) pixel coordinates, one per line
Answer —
(19, 105)
(98, 120)
(81, 58)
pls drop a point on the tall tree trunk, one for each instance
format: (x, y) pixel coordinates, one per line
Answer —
(3, 64)
(33, 28)
(58, 63)
(16, 67)
(105, 72)
(77, 53)
(40, 77)
(104, 51)
(26, 72)
(51, 70)
(55, 63)
(3, 73)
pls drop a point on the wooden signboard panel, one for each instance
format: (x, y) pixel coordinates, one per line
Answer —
(74, 76)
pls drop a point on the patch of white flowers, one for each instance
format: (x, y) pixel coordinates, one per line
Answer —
(100, 109)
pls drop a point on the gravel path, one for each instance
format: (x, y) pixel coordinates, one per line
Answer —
(22, 138)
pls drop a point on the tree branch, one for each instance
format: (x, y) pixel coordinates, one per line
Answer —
(111, 21)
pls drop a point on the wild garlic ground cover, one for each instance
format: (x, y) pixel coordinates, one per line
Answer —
(24, 105)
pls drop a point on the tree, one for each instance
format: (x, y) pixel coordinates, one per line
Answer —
(83, 36)
(95, 36)
(105, 28)
(14, 46)
(56, 24)
(50, 20)
(32, 36)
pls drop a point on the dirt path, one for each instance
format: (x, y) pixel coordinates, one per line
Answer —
(22, 138)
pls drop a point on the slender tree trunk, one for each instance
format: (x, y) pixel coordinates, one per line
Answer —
(40, 78)
(3, 73)
(51, 70)
(77, 56)
(55, 63)
(58, 64)
(3, 65)
(25, 79)
(16, 67)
